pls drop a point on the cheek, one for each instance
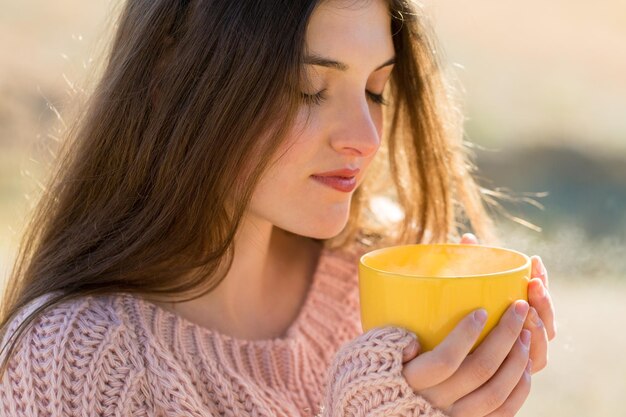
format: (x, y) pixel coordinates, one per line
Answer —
(273, 197)
(377, 117)
(286, 177)
(287, 197)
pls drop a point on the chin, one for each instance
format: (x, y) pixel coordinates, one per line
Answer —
(322, 224)
(325, 230)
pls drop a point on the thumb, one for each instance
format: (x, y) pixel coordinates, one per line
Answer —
(469, 238)
(410, 351)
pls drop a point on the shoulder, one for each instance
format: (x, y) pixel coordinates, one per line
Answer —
(86, 321)
(78, 352)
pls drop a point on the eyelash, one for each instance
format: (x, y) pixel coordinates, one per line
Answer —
(318, 98)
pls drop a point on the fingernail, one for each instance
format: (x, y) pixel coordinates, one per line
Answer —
(521, 308)
(480, 316)
(409, 350)
(542, 266)
(536, 267)
(525, 337)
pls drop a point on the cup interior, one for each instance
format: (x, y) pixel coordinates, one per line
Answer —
(445, 260)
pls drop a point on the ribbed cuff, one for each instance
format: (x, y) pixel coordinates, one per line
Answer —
(365, 379)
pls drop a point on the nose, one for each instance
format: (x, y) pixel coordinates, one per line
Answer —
(357, 133)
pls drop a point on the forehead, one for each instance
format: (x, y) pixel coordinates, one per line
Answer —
(351, 30)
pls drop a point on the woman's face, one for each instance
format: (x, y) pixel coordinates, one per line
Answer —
(341, 131)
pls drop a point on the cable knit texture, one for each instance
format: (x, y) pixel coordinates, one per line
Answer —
(121, 355)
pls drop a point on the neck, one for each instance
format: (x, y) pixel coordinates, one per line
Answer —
(262, 292)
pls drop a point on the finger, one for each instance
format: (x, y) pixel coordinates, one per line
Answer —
(540, 299)
(485, 361)
(538, 269)
(518, 396)
(539, 338)
(432, 367)
(495, 392)
(411, 351)
(469, 238)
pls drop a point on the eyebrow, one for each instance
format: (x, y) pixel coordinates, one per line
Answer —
(314, 59)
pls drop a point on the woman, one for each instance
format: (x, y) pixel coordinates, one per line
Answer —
(195, 253)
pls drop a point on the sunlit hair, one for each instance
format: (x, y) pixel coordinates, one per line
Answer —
(142, 197)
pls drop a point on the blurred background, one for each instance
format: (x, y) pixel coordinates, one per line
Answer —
(545, 100)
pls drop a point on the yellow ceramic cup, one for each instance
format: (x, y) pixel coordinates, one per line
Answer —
(429, 288)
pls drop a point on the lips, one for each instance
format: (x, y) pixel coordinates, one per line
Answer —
(345, 172)
(343, 180)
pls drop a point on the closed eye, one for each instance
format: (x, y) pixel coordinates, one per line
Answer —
(318, 98)
(314, 99)
(377, 98)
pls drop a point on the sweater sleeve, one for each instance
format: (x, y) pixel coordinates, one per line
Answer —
(75, 359)
(365, 379)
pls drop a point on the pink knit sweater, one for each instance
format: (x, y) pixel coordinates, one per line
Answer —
(121, 355)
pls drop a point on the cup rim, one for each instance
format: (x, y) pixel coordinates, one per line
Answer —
(525, 265)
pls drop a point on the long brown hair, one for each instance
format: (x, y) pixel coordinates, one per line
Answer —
(142, 197)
